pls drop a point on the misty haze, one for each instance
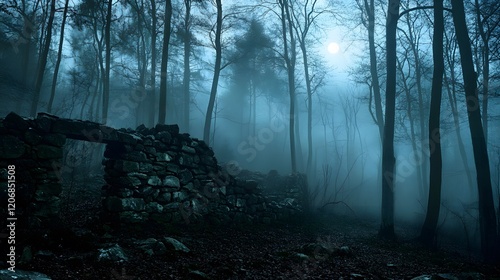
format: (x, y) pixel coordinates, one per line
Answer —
(300, 139)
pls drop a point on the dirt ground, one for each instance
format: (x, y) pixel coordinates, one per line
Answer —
(328, 248)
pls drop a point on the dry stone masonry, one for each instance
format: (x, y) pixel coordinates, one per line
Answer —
(153, 176)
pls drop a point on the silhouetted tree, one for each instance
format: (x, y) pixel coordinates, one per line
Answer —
(107, 44)
(186, 80)
(388, 159)
(487, 219)
(152, 81)
(59, 56)
(164, 62)
(43, 59)
(89, 18)
(428, 232)
(305, 16)
(290, 55)
(217, 69)
(488, 21)
(368, 8)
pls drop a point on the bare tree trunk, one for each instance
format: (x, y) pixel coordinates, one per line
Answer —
(486, 85)
(107, 42)
(375, 84)
(217, 69)
(308, 17)
(290, 67)
(309, 105)
(43, 60)
(428, 232)
(487, 219)
(152, 81)
(187, 67)
(141, 63)
(98, 46)
(388, 160)
(486, 67)
(298, 142)
(59, 56)
(164, 62)
(98, 106)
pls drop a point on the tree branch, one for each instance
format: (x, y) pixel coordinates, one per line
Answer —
(420, 8)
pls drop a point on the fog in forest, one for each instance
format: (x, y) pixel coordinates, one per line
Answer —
(316, 56)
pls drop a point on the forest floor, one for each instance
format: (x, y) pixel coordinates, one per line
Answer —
(332, 248)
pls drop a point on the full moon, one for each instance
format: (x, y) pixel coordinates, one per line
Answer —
(333, 48)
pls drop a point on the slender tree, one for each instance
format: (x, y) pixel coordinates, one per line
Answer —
(91, 18)
(107, 43)
(487, 21)
(186, 80)
(217, 69)
(152, 81)
(43, 59)
(138, 47)
(428, 232)
(388, 160)
(59, 56)
(290, 55)
(304, 19)
(164, 62)
(369, 9)
(487, 216)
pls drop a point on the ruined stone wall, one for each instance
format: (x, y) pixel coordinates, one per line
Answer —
(168, 177)
(34, 152)
(155, 175)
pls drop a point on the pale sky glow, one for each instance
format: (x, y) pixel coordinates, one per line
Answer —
(333, 48)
